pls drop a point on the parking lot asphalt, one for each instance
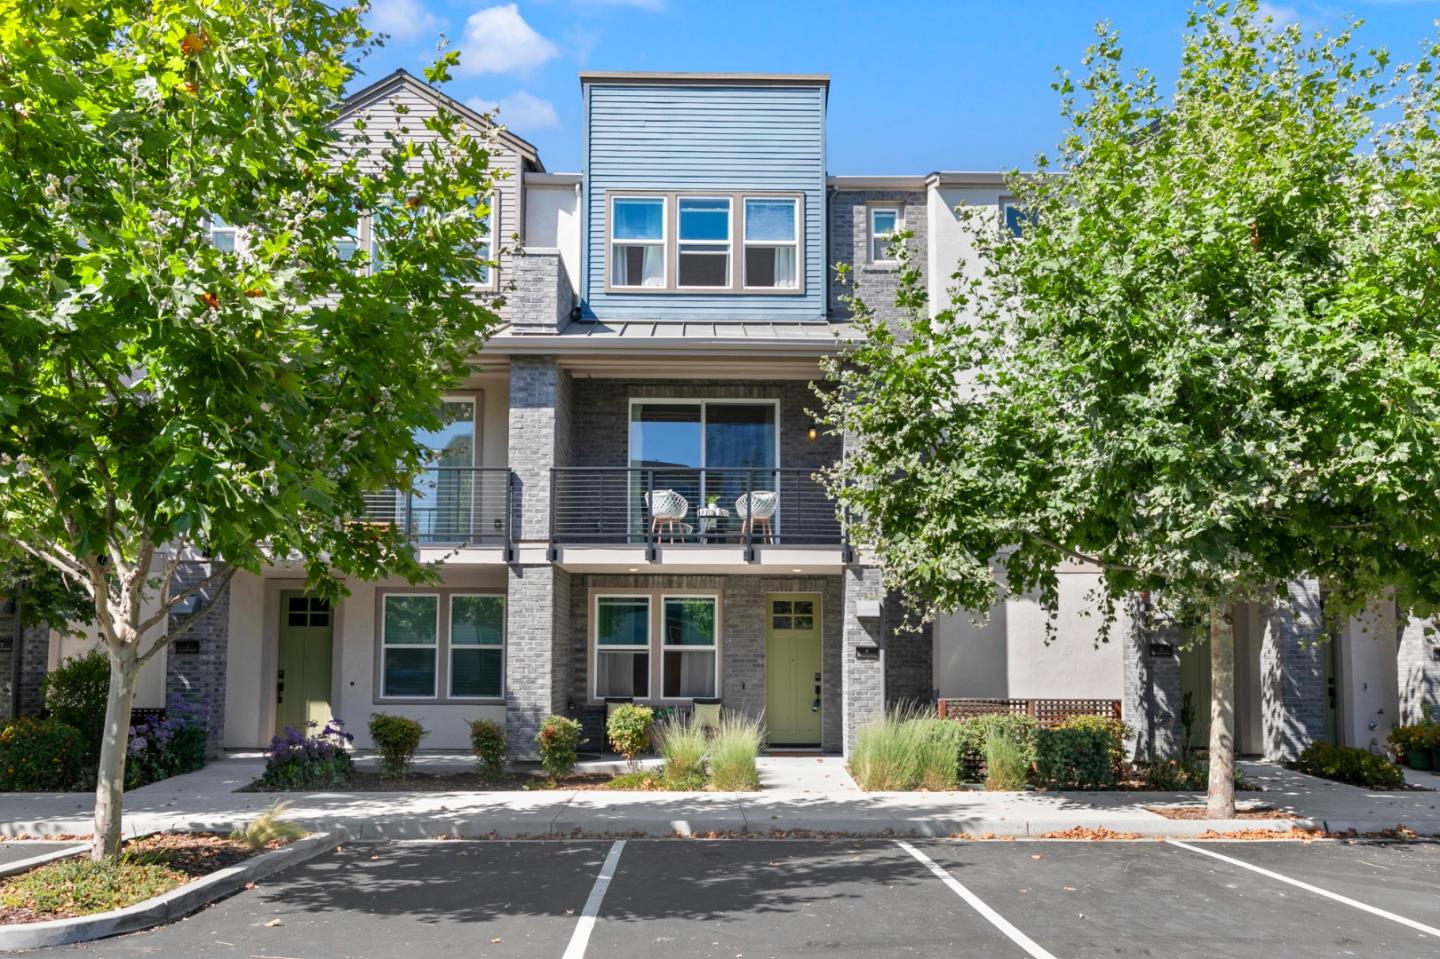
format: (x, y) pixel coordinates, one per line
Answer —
(756, 898)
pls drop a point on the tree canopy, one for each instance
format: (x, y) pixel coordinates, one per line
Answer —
(164, 396)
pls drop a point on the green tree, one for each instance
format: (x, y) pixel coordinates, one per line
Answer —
(1209, 366)
(165, 398)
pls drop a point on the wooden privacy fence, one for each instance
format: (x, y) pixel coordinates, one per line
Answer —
(1046, 712)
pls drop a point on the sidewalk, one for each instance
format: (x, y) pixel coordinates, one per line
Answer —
(802, 794)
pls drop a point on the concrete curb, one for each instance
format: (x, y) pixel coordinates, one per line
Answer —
(172, 905)
(25, 865)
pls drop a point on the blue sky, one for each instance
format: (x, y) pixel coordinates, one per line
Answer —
(915, 86)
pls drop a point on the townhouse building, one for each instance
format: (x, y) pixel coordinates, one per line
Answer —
(623, 502)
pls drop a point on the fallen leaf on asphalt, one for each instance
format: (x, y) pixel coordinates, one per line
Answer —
(248, 885)
(496, 940)
(373, 858)
(1035, 856)
(274, 922)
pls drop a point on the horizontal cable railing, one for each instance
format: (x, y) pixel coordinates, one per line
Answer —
(449, 506)
(662, 506)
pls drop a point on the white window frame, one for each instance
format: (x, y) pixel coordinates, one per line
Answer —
(746, 244)
(664, 242)
(385, 647)
(725, 246)
(598, 650)
(888, 237)
(211, 230)
(492, 224)
(451, 646)
(1007, 203)
(713, 648)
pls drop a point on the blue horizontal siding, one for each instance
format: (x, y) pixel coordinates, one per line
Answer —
(675, 137)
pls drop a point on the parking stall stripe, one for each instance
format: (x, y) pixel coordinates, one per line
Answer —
(975, 902)
(580, 939)
(1428, 930)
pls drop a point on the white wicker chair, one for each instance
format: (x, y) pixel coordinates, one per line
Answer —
(756, 510)
(667, 509)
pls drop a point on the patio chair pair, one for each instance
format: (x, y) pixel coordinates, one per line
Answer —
(668, 510)
(704, 711)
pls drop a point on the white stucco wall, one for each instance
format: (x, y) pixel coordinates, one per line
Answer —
(254, 635)
(1368, 678)
(951, 243)
(552, 222)
(1008, 658)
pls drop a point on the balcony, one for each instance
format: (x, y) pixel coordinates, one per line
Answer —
(455, 513)
(693, 516)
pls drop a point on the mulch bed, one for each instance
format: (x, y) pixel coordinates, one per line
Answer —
(185, 856)
(1200, 812)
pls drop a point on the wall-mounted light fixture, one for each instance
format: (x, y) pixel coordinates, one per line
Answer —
(190, 605)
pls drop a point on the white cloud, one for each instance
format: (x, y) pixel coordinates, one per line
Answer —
(1281, 15)
(498, 40)
(520, 111)
(402, 19)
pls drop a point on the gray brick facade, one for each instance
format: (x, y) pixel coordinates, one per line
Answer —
(862, 667)
(909, 658)
(199, 676)
(742, 639)
(539, 297)
(537, 611)
(34, 653)
(1418, 666)
(1152, 698)
(540, 430)
(874, 283)
(1292, 681)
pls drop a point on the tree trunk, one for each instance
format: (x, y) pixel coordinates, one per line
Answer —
(1220, 802)
(110, 781)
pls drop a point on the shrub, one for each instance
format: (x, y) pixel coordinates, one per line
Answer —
(976, 731)
(1085, 752)
(487, 742)
(733, 749)
(1007, 762)
(297, 761)
(396, 738)
(40, 755)
(884, 755)
(79, 886)
(1347, 764)
(1181, 775)
(75, 693)
(937, 752)
(268, 828)
(682, 744)
(1421, 735)
(628, 730)
(161, 748)
(559, 740)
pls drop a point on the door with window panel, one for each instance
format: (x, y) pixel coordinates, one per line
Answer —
(443, 498)
(792, 670)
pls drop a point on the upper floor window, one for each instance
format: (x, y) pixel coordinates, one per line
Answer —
(637, 242)
(772, 243)
(885, 222)
(1015, 218)
(718, 242)
(704, 252)
(222, 234)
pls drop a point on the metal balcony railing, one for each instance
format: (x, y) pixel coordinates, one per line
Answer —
(663, 506)
(450, 506)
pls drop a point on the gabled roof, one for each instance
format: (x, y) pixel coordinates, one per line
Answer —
(387, 87)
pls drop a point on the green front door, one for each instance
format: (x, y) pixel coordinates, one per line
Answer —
(302, 680)
(792, 669)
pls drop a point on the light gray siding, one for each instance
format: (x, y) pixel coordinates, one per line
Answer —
(704, 137)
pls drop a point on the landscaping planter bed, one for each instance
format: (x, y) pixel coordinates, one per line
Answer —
(368, 782)
(1200, 812)
(152, 866)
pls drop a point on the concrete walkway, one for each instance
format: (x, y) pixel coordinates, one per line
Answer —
(801, 794)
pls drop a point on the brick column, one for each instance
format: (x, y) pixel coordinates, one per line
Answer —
(199, 676)
(33, 650)
(862, 680)
(540, 406)
(1292, 685)
(1152, 693)
(1417, 668)
(909, 658)
(537, 652)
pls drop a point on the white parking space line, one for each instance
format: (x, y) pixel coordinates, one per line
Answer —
(580, 939)
(1428, 930)
(975, 902)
